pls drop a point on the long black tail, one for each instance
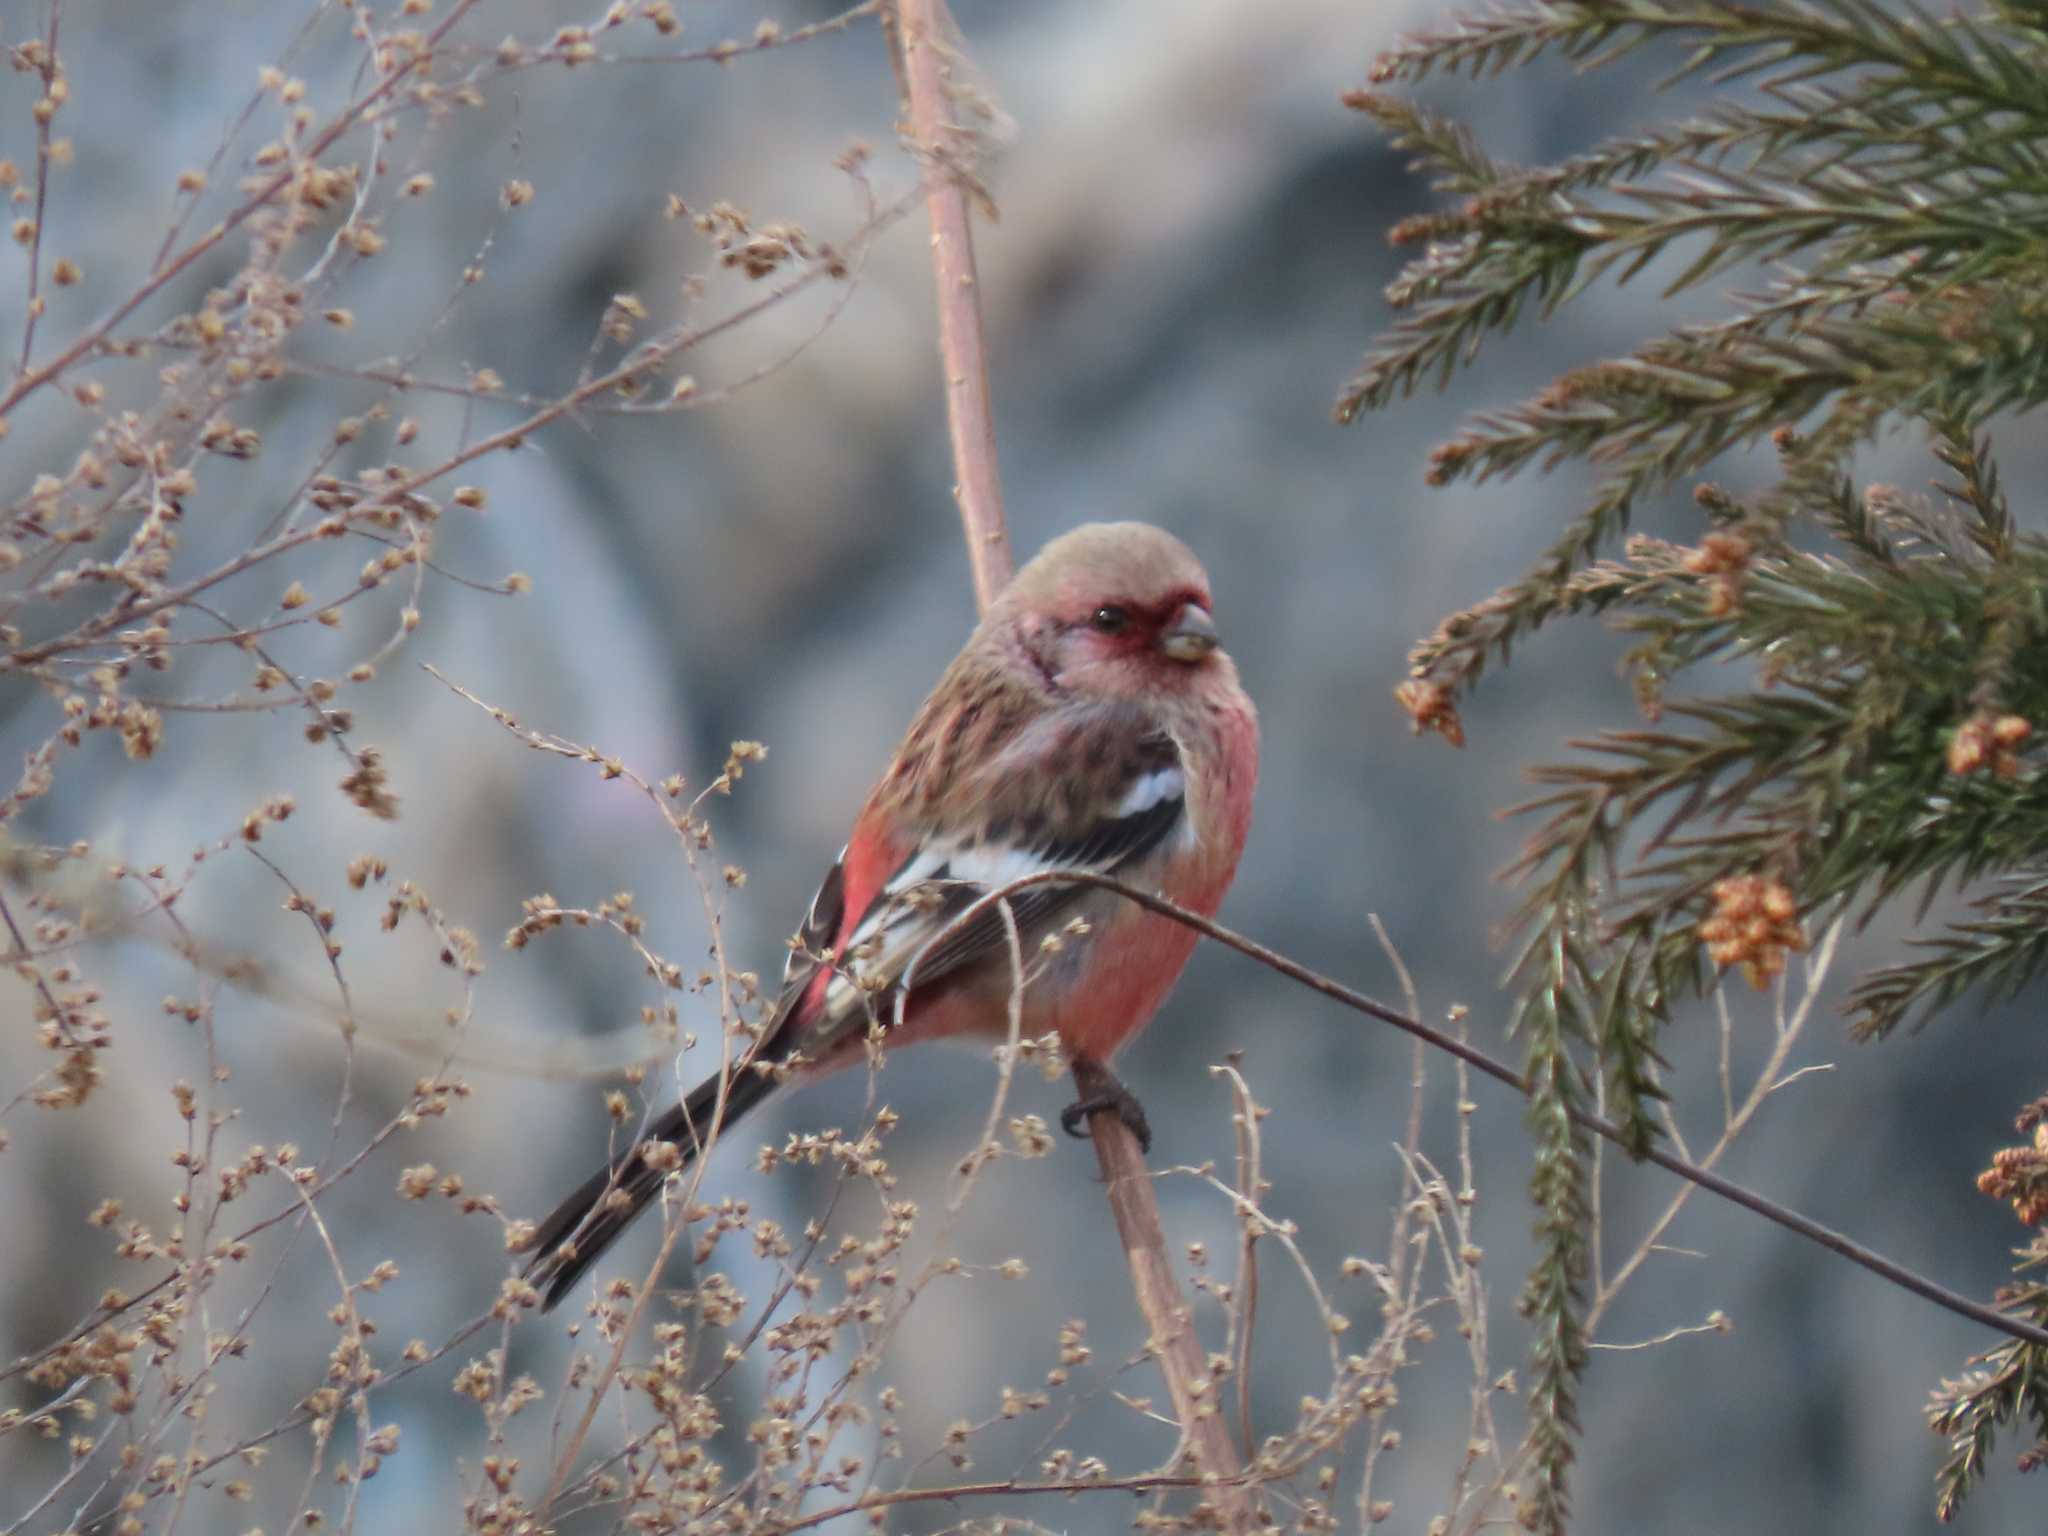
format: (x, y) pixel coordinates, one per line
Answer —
(583, 1226)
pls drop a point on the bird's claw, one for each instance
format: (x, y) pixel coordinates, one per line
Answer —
(1101, 1091)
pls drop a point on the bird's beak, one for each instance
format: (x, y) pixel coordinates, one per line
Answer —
(1191, 635)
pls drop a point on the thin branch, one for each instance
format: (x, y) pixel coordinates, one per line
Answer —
(60, 1016)
(1251, 1183)
(958, 1491)
(1400, 1281)
(1173, 1339)
(1768, 1082)
(1717, 1322)
(923, 31)
(45, 114)
(394, 493)
(1499, 1071)
(344, 123)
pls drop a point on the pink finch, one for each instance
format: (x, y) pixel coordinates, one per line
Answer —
(1091, 723)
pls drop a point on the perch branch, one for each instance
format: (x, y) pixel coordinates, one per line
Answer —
(1736, 1194)
(1173, 1341)
(923, 34)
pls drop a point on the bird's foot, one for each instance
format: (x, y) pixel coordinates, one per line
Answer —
(1100, 1091)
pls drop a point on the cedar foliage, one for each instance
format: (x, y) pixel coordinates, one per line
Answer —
(1874, 178)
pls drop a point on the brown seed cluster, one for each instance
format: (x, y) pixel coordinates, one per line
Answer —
(1988, 741)
(1755, 924)
(756, 250)
(1724, 559)
(2020, 1175)
(1431, 707)
(368, 784)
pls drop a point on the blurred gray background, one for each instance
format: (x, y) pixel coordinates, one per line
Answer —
(1189, 261)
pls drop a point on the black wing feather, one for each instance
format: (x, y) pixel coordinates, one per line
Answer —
(1104, 849)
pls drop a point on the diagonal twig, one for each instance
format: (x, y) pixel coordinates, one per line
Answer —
(1736, 1194)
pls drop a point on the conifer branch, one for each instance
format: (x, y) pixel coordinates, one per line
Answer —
(1875, 176)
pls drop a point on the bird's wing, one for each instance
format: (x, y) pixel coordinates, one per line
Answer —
(812, 954)
(850, 957)
(1151, 811)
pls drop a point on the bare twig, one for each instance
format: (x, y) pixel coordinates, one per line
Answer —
(1251, 1181)
(922, 31)
(641, 363)
(45, 114)
(1173, 1326)
(1499, 1071)
(1404, 1274)
(1717, 1322)
(960, 1492)
(1768, 1081)
(685, 827)
(31, 380)
(60, 1016)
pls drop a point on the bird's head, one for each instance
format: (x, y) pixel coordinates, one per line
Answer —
(1117, 610)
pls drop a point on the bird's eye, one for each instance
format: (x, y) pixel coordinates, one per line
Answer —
(1109, 619)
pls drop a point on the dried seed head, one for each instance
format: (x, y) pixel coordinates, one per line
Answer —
(1431, 707)
(1754, 925)
(369, 785)
(1986, 740)
(417, 1182)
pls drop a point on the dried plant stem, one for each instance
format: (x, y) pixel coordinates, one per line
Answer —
(30, 380)
(921, 30)
(1769, 1079)
(34, 308)
(60, 1017)
(1173, 1340)
(677, 1224)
